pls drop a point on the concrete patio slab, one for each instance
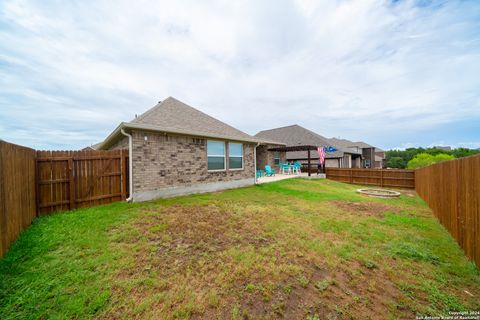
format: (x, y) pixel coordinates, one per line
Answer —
(279, 177)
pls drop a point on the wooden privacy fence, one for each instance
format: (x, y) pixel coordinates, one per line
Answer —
(374, 177)
(452, 191)
(40, 182)
(68, 180)
(17, 192)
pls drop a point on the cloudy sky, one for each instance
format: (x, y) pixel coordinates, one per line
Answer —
(392, 73)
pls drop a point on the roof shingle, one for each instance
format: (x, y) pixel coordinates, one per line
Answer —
(174, 115)
(296, 135)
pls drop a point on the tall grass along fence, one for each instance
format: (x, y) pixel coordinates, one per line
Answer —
(452, 191)
(17, 192)
(374, 177)
(33, 183)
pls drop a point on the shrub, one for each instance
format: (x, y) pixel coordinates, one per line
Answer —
(425, 159)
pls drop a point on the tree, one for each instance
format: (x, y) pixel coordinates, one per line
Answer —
(464, 152)
(434, 151)
(396, 162)
(392, 161)
(426, 159)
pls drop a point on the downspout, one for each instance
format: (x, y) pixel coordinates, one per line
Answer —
(255, 161)
(130, 166)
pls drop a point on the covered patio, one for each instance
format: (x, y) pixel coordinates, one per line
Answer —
(310, 166)
(307, 148)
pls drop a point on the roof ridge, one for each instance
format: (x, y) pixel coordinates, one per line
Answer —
(292, 125)
(146, 113)
(209, 116)
(171, 104)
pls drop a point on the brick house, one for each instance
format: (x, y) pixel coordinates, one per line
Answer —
(372, 157)
(176, 149)
(296, 135)
(348, 154)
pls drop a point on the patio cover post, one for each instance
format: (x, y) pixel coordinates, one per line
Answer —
(307, 148)
(309, 174)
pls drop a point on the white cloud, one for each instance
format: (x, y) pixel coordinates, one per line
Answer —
(370, 70)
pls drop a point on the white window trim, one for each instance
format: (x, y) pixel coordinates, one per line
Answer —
(218, 155)
(243, 157)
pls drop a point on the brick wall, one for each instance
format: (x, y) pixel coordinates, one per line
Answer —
(163, 161)
(265, 157)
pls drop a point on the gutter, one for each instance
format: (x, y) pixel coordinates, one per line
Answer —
(255, 161)
(130, 165)
(152, 128)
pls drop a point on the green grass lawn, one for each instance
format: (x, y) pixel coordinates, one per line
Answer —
(297, 249)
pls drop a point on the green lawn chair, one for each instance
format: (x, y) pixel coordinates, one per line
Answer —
(269, 171)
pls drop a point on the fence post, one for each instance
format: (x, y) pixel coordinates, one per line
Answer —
(71, 183)
(37, 186)
(351, 176)
(381, 178)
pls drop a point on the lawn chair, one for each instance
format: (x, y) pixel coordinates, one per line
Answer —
(285, 168)
(260, 173)
(297, 167)
(269, 172)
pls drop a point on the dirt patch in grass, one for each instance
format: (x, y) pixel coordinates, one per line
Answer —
(372, 209)
(252, 253)
(205, 262)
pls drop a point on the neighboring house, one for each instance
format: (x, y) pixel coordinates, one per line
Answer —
(176, 150)
(296, 135)
(372, 157)
(94, 146)
(380, 159)
(445, 148)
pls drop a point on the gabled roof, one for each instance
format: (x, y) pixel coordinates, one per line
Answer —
(351, 144)
(296, 135)
(174, 116)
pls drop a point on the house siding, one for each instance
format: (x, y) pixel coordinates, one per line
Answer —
(332, 163)
(369, 154)
(179, 163)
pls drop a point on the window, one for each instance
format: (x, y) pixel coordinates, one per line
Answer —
(276, 158)
(216, 155)
(367, 163)
(235, 155)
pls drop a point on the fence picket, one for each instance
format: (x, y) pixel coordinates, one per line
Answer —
(375, 177)
(452, 190)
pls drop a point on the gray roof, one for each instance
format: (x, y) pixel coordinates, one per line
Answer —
(351, 144)
(174, 116)
(93, 146)
(296, 135)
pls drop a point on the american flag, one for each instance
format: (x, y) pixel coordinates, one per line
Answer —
(321, 154)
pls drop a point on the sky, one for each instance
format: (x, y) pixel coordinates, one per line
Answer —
(395, 74)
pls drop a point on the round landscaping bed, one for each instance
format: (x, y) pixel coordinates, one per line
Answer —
(379, 193)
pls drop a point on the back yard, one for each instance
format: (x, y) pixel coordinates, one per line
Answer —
(298, 249)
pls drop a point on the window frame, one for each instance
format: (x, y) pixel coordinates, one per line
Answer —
(224, 156)
(367, 163)
(242, 156)
(276, 153)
